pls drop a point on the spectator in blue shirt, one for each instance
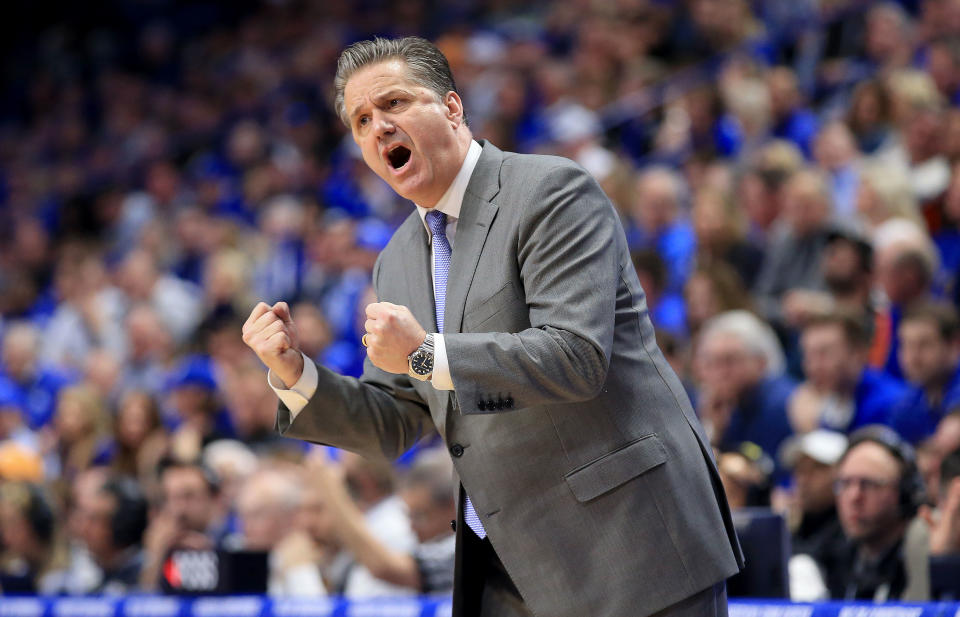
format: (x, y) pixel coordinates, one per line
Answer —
(743, 391)
(656, 221)
(836, 154)
(905, 261)
(840, 393)
(667, 309)
(929, 350)
(791, 119)
(37, 385)
(947, 237)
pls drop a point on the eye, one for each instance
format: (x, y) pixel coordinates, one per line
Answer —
(363, 121)
(394, 102)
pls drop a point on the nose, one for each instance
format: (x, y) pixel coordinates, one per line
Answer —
(855, 493)
(382, 124)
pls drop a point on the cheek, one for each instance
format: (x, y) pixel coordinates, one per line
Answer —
(370, 156)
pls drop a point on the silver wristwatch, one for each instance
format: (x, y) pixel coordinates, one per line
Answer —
(420, 362)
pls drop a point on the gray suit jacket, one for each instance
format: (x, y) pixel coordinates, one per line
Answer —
(568, 429)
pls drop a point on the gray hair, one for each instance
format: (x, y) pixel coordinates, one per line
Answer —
(756, 336)
(677, 183)
(901, 238)
(275, 487)
(428, 66)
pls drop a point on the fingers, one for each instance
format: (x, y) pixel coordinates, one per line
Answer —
(926, 513)
(952, 502)
(282, 310)
(280, 341)
(374, 309)
(271, 328)
(266, 331)
(383, 321)
(382, 310)
(392, 333)
(258, 311)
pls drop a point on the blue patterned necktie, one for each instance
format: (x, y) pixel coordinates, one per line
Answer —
(437, 222)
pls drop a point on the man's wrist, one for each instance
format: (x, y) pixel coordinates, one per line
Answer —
(420, 361)
(289, 378)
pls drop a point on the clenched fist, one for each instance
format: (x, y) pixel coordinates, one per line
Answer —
(272, 335)
(393, 333)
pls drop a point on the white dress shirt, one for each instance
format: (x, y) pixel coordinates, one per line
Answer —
(297, 396)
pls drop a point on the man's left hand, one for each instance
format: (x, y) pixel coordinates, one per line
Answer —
(393, 333)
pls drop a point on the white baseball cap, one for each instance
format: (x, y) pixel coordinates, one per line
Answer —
(821, 445)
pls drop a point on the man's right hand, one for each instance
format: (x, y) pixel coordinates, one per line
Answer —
(944, 524)
(272, 335)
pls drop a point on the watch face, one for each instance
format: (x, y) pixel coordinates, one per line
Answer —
(421, 363)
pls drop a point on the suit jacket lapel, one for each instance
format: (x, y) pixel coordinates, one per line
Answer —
(476, 216)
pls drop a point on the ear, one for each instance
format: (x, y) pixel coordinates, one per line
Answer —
(451, 100)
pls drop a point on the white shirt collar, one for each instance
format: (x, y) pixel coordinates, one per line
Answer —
(452, 200)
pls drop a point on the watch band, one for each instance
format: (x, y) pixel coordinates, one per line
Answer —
(420, 362)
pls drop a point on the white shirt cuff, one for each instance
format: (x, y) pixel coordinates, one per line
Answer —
(297, 397)
(440, 379)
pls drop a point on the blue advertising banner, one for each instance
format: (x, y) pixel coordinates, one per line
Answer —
(257, 606)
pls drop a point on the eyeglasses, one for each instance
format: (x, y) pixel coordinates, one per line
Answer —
(865, 484)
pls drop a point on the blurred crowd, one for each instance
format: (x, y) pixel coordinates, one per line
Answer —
(787, 176)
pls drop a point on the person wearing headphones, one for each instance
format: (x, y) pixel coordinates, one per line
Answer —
(112, 528)
(190, 516)
(878, 490)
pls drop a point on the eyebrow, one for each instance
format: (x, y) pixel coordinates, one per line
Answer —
(385, 95)
(355, 111)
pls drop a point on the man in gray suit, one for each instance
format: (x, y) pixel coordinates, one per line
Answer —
(510, 319)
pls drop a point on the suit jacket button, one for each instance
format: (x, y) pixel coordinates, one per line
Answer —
(491, 404)
(508, 402)
(456, 450)
(453, 525)
(481, 405)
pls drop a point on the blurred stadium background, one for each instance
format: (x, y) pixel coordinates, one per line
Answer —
(786, 172)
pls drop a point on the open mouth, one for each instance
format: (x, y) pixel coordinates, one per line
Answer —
(398, 157)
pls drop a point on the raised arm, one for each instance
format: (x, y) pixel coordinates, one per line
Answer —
(377, 415)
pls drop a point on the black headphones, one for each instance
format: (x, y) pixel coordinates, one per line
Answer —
(129, 520)
(40, 514)
(913, 492)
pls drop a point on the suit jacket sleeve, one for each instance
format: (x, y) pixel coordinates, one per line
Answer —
(377, 415)
(569, 253)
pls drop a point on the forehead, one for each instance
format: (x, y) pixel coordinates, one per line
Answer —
(920, 327)
(723, 341)
(807, 464)
(869, 457)
(376, 78)
(179, 477)
(102, 502)
(821, 333)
